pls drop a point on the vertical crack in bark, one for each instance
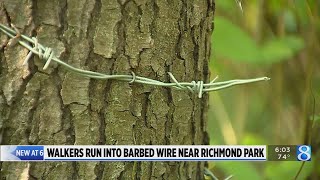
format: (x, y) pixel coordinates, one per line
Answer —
(211, 9)
(103, 112)
(75, 174)
(102, 129)
(95, 14)
(139, 19)
(4, 108)
(169, 122)
(99, 168)
(30, 119)
(57, 81)
(195, 52)
(209, 28)
(155, 9)
(69, 125)
(196, 38)
(63, 21)
(180, 167)
(6, 14)
(34, 12)
(193, 120)
(1, 63)
(121, 31)
(92, 28)
(140, 31)
(145, 106)
(206, 76)
(4, 65)
(7, 21)
(182, 22)
(150, 169)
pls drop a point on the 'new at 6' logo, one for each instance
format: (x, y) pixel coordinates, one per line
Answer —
(304, 153)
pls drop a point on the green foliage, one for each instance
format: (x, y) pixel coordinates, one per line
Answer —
(287, 170)
(229, 6)
(302, 11)
(253, 139)
(231, 42)
(315, 118)
(240, 170)
(279, 39)
(280, 49)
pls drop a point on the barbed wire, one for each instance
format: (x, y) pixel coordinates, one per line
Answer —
(47, 54)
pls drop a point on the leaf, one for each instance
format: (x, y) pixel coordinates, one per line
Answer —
(277, 50)
(230, 41)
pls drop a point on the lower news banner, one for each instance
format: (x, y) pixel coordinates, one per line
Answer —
(133, 153)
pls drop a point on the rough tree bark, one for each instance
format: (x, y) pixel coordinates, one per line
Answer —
(57, 107)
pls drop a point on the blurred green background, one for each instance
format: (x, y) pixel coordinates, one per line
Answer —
(279, 39)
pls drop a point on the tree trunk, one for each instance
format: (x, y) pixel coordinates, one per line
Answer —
(56, 107)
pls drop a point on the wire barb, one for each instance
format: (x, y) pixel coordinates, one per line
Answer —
(133, 77)
(47, 54)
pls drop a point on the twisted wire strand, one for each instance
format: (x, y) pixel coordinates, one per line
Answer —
(47, 54)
